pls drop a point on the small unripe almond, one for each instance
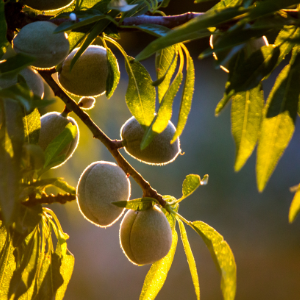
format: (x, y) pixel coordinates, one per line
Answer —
(47, 4)
(100, 184)
(159, 152)
(145, 236)
(32, 78)
(89, 73)
(39, 40)
(52, 124)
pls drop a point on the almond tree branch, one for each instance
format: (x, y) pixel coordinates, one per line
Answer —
(111, 145)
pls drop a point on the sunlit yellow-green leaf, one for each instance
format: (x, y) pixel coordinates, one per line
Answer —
(158, 272)
(278, 124)
(190, 184)
(190, 258)
(222, 256)
(113, 76)
(295, 207)
(246, 115)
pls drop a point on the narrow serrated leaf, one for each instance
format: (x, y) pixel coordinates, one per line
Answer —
(190, 258)
(13, 65)
(63, 185)
(186, 98)
(158, 272)
(113, 76)
(246, 116)
(165, 65)
(3, 30)
(153, 29)
(278, 123)
(140, 94)
(137, 204)
(225, 4)
(222, 256)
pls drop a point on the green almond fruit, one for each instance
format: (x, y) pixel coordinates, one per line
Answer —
(47, 4)
(145, 236)
(100, 184)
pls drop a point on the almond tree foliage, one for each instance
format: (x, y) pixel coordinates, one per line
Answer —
(35, 262)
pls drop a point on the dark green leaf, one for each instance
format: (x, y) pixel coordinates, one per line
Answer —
(137, 204)
(222, 256)
(11, 141)
(190, 258)
(190, 184)
(141, 94)
(246, 116)
(15, 64)
(59, 143)
(165, 3)
(186, 98)
(32, 125)
(165, 65)
(158, 272)
(153, 29)
(113, 76)
(193, 29)
(24, 275)
(278, 124)
(255, 69)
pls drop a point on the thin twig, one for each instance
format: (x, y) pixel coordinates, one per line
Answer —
(112, 145)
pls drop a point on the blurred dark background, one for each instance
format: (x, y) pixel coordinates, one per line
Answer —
(265, 245)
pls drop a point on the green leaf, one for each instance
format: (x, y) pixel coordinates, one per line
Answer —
(165, 65)
(3, 29)
(190, 258)
(161, 119)
(186, 98)
(222, 256)
(137, 204)
(158, 272)
(295, 206)
(193, 29)
(225, 4)
(66, 270)
(24, 274)
(113, 76)
(7, 261)
(283, 40)
(278, 124)
(141, 94)
(32, 125)
(11, 142)
(59, 143)
(49, 278)
(246, 116)
(190, 184)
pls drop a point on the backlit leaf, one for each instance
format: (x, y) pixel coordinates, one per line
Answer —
(186, 98)
(190, 184)
(278, 124)
(63, 185)
(59, 143)
(3, 29)
(222, 256)
(140, 94)
(246, 116)
(32, 125)
(113, 76)
(190, 258)
(158, 272)
(295, 207)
